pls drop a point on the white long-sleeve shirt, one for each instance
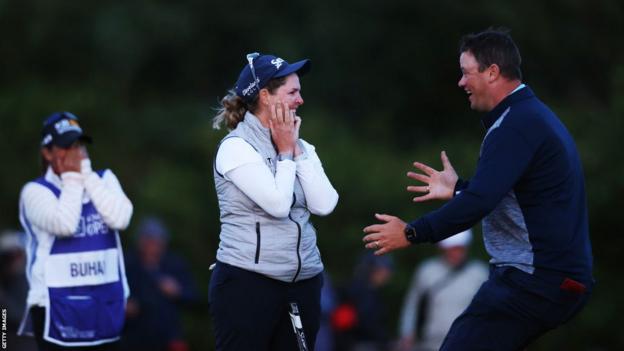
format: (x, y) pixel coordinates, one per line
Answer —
(47, 215)
(242, 165)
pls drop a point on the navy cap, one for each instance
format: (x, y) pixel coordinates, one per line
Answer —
(62, 129)
(260, 69)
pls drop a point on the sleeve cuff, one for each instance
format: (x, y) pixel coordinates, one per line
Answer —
(71, 178)
(301, 157)
(459, 186)
(85, 167)
(287, 164)
(304, 152)
(423, 230)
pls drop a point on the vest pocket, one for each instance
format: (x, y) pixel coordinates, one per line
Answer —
(257, 242)
(86, 314)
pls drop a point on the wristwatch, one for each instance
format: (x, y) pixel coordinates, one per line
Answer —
(410, 233)
(282, 157)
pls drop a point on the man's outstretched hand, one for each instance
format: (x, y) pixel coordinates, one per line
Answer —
(386, 237)
(439, 185)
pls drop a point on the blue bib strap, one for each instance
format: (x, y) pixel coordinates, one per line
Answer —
(41, 180)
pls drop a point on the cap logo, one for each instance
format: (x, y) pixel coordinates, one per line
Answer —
(67, 125)
(277, 62)
(250, 88)
(47, 139)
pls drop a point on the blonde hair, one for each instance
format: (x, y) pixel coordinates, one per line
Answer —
(231, 112)
(233, 107)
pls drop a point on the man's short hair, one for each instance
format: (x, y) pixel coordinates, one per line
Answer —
(494, 46)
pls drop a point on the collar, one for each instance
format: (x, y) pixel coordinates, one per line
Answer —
(522, 85)
(254, 123)
(522, 92)
(52, 177)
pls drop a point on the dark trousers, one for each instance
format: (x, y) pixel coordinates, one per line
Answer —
(512, 309)
(38, 320)
(250, 311)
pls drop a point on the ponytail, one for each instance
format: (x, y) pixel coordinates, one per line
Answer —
(231, 112)
(233, 107)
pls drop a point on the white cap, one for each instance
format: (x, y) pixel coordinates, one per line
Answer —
(460, 239)
(11, 240)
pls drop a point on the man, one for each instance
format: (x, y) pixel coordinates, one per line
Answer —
(441, 289)
(72, 215)
(161, 284)
(529, 190)
(370, 332)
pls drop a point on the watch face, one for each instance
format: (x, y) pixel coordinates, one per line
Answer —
(410, 233)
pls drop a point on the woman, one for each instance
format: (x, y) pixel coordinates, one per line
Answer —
(268, 182)
(75, 266)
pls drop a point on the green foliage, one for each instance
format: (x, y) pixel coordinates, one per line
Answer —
(144, 76)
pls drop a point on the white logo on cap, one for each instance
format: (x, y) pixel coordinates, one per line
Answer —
(47, 139)
(63, 126)
(277, 62)
(250, 89)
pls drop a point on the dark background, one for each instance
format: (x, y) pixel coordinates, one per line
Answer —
(145, 77)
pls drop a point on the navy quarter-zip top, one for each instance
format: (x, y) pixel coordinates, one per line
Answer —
(528, 189)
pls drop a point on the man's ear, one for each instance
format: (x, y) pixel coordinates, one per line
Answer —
(493, 72)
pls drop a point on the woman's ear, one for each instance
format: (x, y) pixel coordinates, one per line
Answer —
(47, 155)
(264, 97)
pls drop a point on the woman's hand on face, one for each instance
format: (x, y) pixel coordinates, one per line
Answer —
(284, 129)
(298, 150)
(84, 154)
(71, 161)
(297, 121)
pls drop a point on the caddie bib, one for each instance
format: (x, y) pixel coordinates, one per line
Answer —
(84, 276)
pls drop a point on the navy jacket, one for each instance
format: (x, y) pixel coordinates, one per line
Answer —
(529, 190)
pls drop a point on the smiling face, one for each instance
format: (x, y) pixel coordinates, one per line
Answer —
(289, 92)
(476, 84)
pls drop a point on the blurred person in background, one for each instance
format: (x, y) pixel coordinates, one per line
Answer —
(369, 329)
(529, 190)
(72, 215)
(14, 287)
(329, 301)
(441, 289)
(268, 183)
(161, 284)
